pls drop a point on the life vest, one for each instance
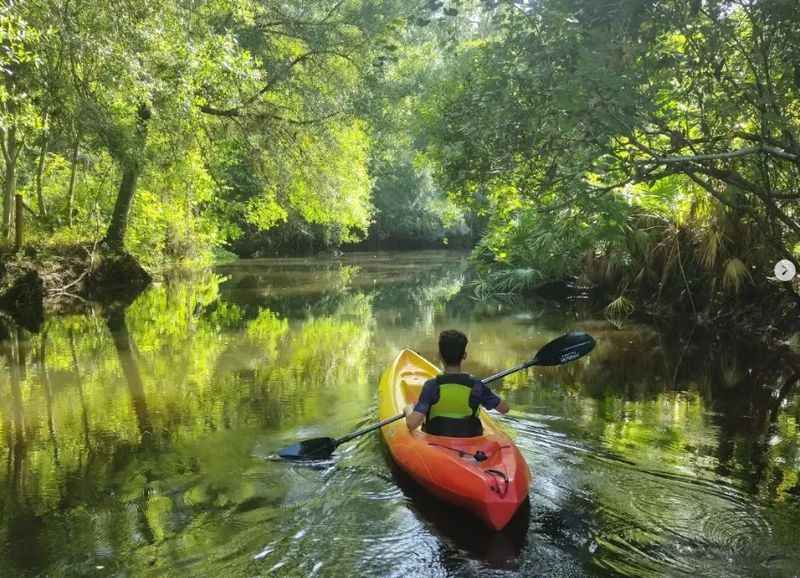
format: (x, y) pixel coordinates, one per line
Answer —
(453, 415)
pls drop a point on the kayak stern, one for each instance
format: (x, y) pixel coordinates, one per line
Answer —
(486, 475)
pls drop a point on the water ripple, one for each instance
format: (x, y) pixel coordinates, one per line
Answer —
(642, 521)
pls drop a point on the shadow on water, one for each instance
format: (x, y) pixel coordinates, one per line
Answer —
(126, 353)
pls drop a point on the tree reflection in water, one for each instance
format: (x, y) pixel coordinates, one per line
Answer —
(137, 438)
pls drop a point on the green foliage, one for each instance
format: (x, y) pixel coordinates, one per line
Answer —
(648, 147)
(333, 186)
(409, 205)
(178, 129)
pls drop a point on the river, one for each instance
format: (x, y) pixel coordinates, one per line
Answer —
(141, 441)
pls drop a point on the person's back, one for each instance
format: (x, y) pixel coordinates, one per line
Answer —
(449, 403)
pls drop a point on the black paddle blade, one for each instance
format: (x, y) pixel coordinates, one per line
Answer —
(564, 349)
(316, 449)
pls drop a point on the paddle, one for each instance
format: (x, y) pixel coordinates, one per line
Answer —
(562, 350)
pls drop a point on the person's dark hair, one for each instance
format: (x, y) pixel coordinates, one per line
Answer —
(452, 345)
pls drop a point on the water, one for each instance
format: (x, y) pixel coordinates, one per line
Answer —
(141, 442)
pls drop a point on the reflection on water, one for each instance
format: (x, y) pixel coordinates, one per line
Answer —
(138, 441)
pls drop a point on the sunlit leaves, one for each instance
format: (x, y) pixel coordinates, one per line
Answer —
(332, 186)
(245, 108)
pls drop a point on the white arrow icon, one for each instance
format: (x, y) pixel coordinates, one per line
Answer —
(785, 270)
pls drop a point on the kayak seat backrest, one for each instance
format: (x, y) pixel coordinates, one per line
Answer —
(412, 382)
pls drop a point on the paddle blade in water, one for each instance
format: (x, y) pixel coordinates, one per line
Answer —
(566, 348)
(316, 449)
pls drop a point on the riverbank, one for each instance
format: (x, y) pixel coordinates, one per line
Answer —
(765, 310)
(64, 278)
(59, 279)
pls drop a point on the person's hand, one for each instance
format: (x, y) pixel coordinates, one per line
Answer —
(408, 409)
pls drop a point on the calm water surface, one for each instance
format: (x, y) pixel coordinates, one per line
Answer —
(141, 441)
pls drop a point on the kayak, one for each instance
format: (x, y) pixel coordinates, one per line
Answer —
(485, 475)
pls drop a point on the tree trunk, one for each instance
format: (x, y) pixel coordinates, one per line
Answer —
(10, 181)
(115, 237)
(18, 222)
(131, 159)
(72, 173)
(40, 170)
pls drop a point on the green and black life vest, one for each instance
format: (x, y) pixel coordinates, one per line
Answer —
(453, 415)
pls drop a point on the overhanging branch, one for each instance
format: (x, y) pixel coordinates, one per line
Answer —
(770, 150)
(237, 110)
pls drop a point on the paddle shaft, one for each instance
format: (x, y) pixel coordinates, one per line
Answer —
(368, 429)
(564, 349)
(505, 372)
(394, 418)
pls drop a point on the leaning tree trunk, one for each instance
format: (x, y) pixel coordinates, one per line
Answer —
(131, 160)
(19, 219)
(40, 169)
(115, 237)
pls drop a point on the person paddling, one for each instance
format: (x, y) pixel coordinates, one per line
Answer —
(449, 403)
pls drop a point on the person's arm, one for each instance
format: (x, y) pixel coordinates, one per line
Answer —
(414, 419)
(490, 400)
(415, 414)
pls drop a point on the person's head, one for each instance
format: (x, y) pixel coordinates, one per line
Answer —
(452, 346)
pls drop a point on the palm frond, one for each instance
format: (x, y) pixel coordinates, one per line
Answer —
(709, 248)
(735, 275)
(619, 310)
(507, 282)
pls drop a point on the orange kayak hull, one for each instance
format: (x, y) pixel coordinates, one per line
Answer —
(492, 488)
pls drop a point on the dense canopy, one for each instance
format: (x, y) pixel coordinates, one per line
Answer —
(647, 145)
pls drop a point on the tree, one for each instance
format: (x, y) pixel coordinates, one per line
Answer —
(602, 114)
(247, 102)
(21, 88)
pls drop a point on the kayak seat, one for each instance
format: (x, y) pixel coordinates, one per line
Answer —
(412, 382)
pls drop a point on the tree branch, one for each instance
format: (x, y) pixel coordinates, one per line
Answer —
(230, 112)
(774, 151)
(268, 86)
